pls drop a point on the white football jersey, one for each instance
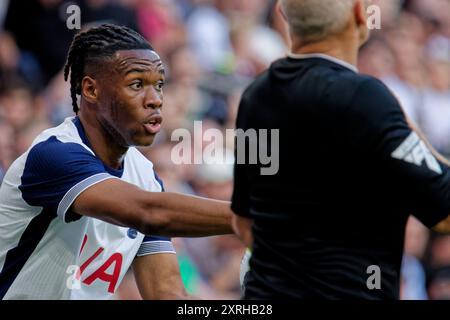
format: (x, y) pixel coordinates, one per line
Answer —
(44, 255)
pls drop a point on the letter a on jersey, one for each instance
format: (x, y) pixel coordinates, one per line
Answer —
(413, 150)
(101, 274)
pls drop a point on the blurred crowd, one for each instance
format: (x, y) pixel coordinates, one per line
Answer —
(212, 49)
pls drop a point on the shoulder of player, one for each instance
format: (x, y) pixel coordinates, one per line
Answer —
(141, 167)
(371, 105)
(348, 89)
(52, 151)
(259, 83)
(366, 82)
(348, 82)
(137, 157)
(373, 94)
(61, 136)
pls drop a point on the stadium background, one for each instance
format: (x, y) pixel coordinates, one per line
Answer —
(212, 49)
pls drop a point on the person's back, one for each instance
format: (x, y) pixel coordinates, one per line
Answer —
(320, 217)
(351, 171)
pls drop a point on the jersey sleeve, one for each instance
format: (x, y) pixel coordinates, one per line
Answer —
(155, 245)
(56, 173)
(240, 200)
(377, 127)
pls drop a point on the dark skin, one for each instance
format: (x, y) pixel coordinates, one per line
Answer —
(121, 107)
(116, 105)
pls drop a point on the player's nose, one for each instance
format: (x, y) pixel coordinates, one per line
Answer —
(153, 99)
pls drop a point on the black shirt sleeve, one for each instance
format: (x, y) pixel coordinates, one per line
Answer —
(240, 201)
(377, 128)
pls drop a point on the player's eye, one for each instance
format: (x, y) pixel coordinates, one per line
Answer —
(137, 85)
(160, 85)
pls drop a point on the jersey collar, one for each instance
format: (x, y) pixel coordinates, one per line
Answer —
(115, 172)
(76, 121)
(323, 56)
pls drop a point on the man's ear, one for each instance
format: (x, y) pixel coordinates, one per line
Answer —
(359, 10)
(360, 14)
(89, 89)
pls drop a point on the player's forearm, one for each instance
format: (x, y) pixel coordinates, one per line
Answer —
(181, 215)
(156, 213)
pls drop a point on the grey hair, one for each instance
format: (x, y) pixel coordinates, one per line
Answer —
(314, 20)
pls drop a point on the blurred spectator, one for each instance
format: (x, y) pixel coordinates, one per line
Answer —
(390, 11)
(215, 176)
(41, 29)
(3, 10)
(174, 176)
(439, 265)
(440, 252)
(185, 75)
(218, 258)
(160, 21)
(433, 13)
(209, 33)
(57, 100)
(16, 62)
(439, 287)
(7, 154)
(410, 75)
(21, 109)
(107, 11)
(17, 104)
(255, 47)
(435, 109)
(377, 59)
(413, 273)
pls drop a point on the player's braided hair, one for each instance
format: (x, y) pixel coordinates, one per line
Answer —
(91, 46)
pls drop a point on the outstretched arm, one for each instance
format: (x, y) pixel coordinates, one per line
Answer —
(157, 213)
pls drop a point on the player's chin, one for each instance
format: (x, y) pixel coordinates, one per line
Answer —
(144, 140)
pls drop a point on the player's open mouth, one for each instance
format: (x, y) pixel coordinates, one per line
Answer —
(153, 124)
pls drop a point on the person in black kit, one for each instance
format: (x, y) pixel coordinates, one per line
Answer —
(330, 223)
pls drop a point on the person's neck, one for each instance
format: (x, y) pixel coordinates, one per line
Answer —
(335, 47)
(102, 143)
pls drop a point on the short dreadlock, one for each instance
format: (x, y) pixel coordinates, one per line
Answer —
(96, 44)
